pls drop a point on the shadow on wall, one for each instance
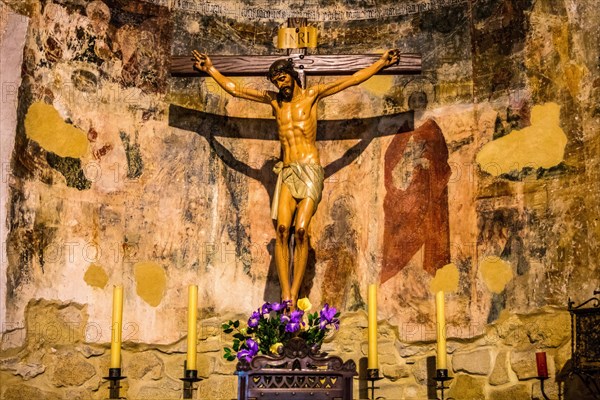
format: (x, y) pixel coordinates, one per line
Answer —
(211, 126)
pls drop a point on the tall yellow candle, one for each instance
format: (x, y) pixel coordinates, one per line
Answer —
(373, 359)
(117, 327)
(192, 333)
(441, 331)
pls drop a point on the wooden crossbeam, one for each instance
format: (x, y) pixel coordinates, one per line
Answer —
(335, 64)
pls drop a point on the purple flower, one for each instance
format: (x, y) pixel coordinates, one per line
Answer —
(252, 345)
(296, 315)
(254, 318)
(292, 327)
(293, 321)
(324, 323)
(327, 317)
(281, 306)
(245, 355)
(251, 351)
(266, 308)
(328, 313)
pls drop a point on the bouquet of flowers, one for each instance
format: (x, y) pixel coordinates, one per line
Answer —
(272, 325)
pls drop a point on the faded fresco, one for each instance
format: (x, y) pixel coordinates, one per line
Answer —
(116, 172)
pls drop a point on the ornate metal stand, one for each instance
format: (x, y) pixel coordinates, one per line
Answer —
(189, 377)
(114, 376)
(441, 377)
(585, 343)
(373, 376)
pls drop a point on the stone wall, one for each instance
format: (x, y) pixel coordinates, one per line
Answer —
(108, 178)
(61, 358)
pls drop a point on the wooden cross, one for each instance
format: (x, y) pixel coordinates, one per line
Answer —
(331, 64)
(305, 64)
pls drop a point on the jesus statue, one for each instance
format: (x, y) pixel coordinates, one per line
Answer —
(300, 174)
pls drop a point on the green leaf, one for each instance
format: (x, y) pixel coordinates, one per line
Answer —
(230, 358)
(227, 330)
(236, 324)
(225, 326)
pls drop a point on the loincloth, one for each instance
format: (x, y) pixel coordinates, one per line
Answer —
(302, 180)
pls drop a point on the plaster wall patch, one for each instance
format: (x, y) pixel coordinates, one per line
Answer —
(541, 145)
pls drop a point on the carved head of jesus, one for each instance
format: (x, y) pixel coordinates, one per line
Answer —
(283, 75)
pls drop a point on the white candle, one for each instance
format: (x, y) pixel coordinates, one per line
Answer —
(117, 327)
(192, 333)
(441, 331)
(373, 358)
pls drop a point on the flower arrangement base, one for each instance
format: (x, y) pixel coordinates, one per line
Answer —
(299, 371)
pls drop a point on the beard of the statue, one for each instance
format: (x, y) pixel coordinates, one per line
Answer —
(287, 92)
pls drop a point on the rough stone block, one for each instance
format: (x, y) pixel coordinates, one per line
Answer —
(206, 365)
(78, 394)
(523, 363)
(218, 387)
(222, 366)
(211, 345)
(69, 369)
(467, 387)
(509, 330)
(357, 320)
(422, 369)
(476, 362)
(410, 350)
(24, 392)
(396, 390)
(499, 374)
(143, 364)
(517, 392)
(395, 372)
(90, 351)
(211, 328)
(387, 353)
(157, 392)
(550, 329)
(22, 368)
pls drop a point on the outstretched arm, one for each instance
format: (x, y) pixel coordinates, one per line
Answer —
(388, 58)
(204, 64)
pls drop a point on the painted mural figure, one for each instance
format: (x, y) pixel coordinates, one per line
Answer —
(300, 174)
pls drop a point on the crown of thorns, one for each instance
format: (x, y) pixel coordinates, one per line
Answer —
(283, 67)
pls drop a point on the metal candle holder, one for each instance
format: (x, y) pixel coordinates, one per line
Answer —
(441, 377)
(114, 376)
(372, 376)
(542, 379)
(189, 377)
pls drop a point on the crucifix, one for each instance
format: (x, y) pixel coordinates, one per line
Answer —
(300, 174)
(305, 64)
